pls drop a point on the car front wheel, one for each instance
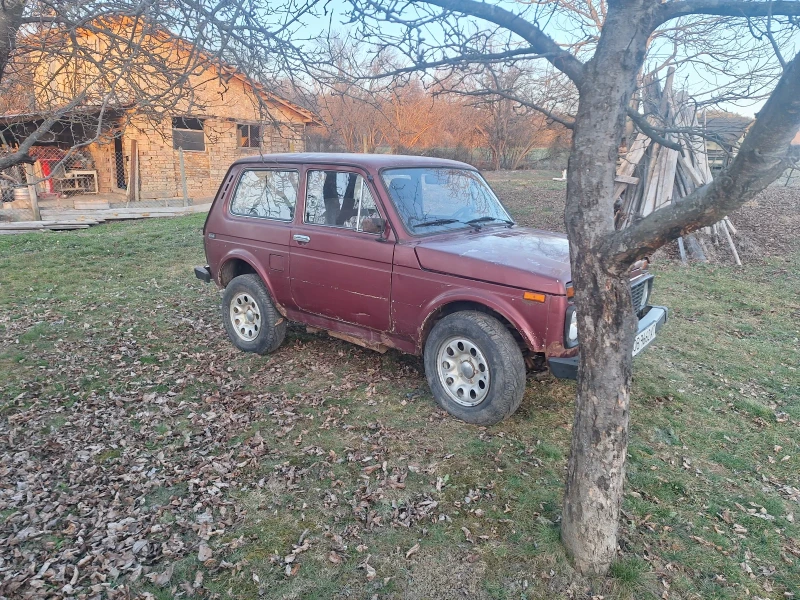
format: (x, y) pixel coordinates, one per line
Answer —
(474, 367)
(251, 320)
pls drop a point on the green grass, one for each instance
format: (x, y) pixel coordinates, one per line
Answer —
(115, 311)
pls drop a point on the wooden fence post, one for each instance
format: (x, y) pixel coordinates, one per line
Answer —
(183, 178)
(133, 176)
(37, 216)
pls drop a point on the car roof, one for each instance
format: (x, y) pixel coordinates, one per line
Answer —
(373, 161)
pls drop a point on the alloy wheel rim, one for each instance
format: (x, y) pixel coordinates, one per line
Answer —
(245, 316)
(463, 371)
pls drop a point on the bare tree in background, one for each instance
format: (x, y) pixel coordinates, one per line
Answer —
(507, 123)
(603, 56)
(377, 102)
(353, 112)
(410, 116)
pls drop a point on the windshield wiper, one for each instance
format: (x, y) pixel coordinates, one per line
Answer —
(435, 222)
(487, 219)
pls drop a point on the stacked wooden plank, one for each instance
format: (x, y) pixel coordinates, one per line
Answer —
(651, 176)
(57, 219)
(124, 213)
(34, 226)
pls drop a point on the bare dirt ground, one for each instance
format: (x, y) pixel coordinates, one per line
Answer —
(770, 223)
(768, 226)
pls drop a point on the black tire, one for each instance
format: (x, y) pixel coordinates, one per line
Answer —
(265, 331)
(494, 348)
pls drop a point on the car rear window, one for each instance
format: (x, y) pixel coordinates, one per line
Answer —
(266, 194)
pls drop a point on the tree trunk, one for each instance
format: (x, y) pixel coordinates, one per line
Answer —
(10, 22)
(596, 469)
(606, 322)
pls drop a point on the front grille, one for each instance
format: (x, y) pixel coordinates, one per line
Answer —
(637, 291)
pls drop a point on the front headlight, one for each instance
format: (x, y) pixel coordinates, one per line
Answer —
(571, 328)
(645, 296)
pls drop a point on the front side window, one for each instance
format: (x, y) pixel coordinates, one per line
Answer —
(431, 200)
(340, 199)
(248, 136)
(187, 133)
(266, 194)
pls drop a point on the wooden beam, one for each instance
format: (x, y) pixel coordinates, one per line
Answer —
(626, 179)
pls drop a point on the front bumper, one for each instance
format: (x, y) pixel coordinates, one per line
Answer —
(567, 368)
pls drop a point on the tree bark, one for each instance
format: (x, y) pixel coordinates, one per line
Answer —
(606, 322)
(10, 22)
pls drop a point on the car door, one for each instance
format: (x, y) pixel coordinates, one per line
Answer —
(338, 268)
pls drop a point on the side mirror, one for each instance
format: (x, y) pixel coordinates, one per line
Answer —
(373, 225)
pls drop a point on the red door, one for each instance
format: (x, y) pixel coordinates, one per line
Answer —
(337, 268)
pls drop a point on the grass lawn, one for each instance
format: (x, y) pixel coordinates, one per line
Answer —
(141, 454)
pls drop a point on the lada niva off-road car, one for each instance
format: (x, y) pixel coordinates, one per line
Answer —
(403, 252)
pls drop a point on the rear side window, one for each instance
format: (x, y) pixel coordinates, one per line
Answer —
(266, 194)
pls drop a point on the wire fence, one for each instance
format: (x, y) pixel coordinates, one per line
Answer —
(56, 173)
(12, 184)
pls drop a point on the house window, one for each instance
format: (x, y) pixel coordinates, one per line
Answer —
(187, 133)
(248, 136)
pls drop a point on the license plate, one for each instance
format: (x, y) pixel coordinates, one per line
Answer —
(643, 339)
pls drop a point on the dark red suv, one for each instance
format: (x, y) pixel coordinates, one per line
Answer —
(403, 252)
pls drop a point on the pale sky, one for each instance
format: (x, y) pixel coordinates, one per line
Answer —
(697, 79)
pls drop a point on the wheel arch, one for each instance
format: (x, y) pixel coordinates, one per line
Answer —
(525, 338)
(243, 263)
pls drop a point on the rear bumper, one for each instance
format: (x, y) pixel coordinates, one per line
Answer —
(567, 368)
(203, 273)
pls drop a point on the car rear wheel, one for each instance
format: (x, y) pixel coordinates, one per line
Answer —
(474, 367)
(251, 320)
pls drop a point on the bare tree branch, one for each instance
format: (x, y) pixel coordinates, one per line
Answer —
(774, 43)
(538, 39)
(645, 127)
(469, 58)
(725, 8)
(568, 123)
(21, 153)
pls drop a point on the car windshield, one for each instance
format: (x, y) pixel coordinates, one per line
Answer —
(431, 200)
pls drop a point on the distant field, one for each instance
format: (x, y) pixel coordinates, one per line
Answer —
(532, 196)
(140, 455)
(767, 226)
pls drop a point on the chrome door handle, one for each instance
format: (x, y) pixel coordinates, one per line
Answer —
(302, 239)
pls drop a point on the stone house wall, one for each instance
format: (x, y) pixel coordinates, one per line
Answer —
(221, 106)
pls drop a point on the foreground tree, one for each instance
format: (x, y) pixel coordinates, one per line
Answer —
(605, 67)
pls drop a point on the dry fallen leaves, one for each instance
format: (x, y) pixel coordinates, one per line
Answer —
(413, 550)
(204, 552)
(371, 573)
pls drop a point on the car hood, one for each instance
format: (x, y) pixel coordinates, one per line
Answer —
(521, 257)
